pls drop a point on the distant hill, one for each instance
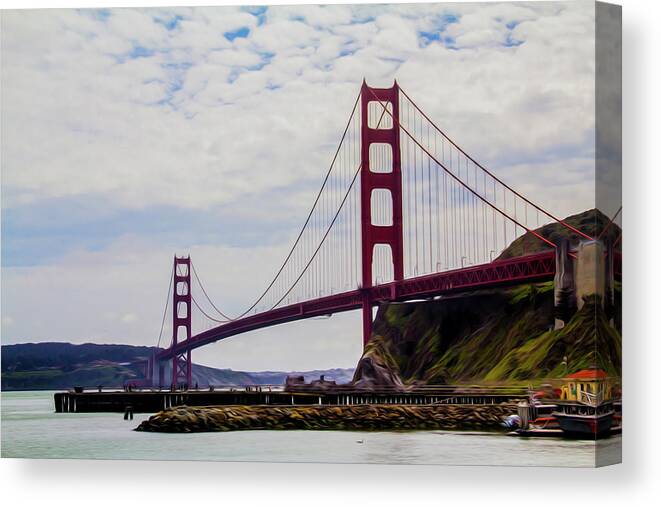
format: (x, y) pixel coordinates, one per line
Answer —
(57, 365)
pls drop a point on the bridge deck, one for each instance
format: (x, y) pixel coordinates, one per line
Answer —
(530, 268)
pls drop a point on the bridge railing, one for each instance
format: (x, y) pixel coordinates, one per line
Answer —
(414, 389)
(328, 387)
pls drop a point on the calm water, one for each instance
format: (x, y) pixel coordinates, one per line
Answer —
(31, 429)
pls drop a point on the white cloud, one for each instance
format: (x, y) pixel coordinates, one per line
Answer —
(128, 318)
(121, 109)
(99, 131)
(117, 296)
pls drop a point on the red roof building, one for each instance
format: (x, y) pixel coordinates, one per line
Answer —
(588, 374)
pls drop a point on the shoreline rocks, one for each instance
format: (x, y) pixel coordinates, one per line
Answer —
(184, 419)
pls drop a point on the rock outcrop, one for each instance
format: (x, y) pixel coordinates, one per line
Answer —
(499, 335)
(496, 336)
(373, 370)
(591, 222)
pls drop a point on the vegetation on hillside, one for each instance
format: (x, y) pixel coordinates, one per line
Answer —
(500, 336)
(496, 336)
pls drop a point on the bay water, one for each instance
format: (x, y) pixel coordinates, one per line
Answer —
(32, 429)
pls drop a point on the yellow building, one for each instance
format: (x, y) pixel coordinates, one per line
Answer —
(589, 386)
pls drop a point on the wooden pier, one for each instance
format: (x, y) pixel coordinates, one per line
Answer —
(150, 401)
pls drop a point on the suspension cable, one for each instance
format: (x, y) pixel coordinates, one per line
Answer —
(307, 220)
(205, 313)
(560, 221)
(165, 310)
(207, 295)
(612, 220)
(396, 121)
(330, 226)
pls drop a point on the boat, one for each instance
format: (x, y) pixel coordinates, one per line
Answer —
(585, 407)
(591, 426)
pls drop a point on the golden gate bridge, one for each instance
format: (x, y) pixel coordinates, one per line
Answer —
(403, 213)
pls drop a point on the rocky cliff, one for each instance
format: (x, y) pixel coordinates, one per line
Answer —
(499, 336)
(496, 336)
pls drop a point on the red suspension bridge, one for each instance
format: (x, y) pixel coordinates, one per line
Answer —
(403, 213)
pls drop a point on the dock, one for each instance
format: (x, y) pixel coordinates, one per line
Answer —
(155, 400)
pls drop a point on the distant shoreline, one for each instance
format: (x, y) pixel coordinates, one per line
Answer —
(47, 366)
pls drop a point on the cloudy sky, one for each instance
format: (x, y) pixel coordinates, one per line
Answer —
(132, 134)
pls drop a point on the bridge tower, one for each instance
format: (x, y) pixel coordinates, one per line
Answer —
(382, 128)
(181, 320)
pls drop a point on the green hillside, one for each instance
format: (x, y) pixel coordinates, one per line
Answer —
(495, 336)
(502, 336)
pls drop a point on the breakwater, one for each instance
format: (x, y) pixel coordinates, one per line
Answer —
(184, 419)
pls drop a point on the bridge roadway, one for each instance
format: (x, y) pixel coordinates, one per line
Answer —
(536, 267)
(530, 268)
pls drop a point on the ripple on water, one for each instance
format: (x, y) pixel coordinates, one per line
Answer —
(31, 429)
